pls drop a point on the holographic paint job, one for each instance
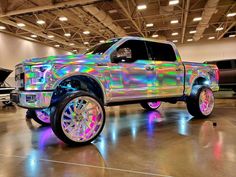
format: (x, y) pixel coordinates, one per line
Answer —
(119, 82)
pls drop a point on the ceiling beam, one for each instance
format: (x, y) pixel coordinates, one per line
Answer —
(129, 17)
(34, 29)
(48, 7)
(226, 30)
(186, 10)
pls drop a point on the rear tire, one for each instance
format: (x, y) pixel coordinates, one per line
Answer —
(41, 116)
(78, 119)
(150, 106)
(201, 102)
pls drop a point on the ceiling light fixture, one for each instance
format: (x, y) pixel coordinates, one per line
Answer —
(86, 43)
(174, 21)
(57, 45)
(174, 34)
(67, 34)
(112, 11)
(63, 19)
(141, 7)
(189, 40)
(219, 29)
(50, 36)
(149, 25)
(173, 2)
(74, 50)
(197, 19)
(41, 22)
(232, 35)
(175, 41)
(155, 35)
(33, 36)
(127, 27)
(2, 27)
(231, 14)
(86, 32)
(212, 37)
(71, 44)
(192, 32)
(102, 41)
(20, 24)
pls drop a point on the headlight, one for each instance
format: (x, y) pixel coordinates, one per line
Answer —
(38, 73)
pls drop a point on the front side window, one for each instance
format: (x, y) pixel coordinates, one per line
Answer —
(130, 51)
(100, 48)
(161, 51)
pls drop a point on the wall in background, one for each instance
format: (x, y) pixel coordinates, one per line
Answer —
(208, 50)
(13, 50)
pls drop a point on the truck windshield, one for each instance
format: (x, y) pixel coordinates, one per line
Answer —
(101, 48)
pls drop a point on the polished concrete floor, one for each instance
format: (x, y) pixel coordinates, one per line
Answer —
(134, 143)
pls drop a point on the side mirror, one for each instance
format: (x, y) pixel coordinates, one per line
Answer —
(122, 55)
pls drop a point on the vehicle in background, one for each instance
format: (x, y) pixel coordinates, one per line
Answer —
(70, 92)
(227, 72)
(5, 89)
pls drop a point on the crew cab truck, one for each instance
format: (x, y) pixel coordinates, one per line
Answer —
(70, 92)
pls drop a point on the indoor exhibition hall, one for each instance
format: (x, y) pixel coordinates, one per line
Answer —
(117, 88)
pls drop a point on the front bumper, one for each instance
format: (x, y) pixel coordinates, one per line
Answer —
(32, 99)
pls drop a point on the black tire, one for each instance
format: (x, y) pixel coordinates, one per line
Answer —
(57, 118)
(7, 103)
(234, 89)
(193, 102)
(147, 106)
(31, 114)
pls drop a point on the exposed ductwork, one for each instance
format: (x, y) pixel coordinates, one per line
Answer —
(209, 9)
(105, 19)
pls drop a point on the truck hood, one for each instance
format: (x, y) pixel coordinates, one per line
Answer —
(66, 59)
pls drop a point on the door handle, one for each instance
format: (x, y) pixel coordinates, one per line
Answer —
(178, 69)
(149, 68)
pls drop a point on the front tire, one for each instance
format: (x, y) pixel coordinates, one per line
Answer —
(201, 102)
(150, 106)
(78, 119)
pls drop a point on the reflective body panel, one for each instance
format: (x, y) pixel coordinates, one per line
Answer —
(123, 81)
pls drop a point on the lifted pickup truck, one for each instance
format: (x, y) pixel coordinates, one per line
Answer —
(70, 92)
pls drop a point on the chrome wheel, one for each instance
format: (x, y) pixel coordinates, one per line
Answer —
(82, 119)
(154, 105)
(206, 101)
(43, 115)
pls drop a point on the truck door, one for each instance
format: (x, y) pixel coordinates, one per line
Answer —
(130, 62)
(169, 69)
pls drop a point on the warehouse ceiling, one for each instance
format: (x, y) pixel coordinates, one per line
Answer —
(75, 25)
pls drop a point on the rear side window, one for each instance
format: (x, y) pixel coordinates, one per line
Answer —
(224, 64)
(161, 51)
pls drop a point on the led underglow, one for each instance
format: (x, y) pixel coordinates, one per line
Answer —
(63, 19)
(155, 35)
(41, 22)
(175, 41)
(192, 32)
(174, 34)
(232, 35)
(231, 14)
(67, 34)
(174, 21)
(86, 43)
(149, 25)
(211, 37)
(50, 36)
(219, 29)
(20, 24)
(173, 2)
(197, 19)
(86, 32)
(2, 27)
(189, 40)
(141, 7)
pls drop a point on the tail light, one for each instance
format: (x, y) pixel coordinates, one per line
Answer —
(217, 74)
